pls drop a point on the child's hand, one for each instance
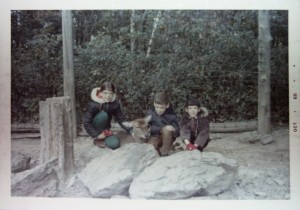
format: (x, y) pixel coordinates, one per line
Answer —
(170, 128)
(101, 136)
(104, 134)
(107, 133)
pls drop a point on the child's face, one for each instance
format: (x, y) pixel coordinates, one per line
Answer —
(160, 108)
(106, 95)
(192, 110)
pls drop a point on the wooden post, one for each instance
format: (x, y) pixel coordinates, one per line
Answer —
(48, 146)
(69, 85)
(57, 134)
(264, 58)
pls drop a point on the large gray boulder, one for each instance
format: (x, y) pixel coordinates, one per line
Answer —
(86, 152)
(19, 162)
(74, 188)
(41, 181)
(185, 174)
(113, 173)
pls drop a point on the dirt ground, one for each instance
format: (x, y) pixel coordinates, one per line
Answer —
(264, 171)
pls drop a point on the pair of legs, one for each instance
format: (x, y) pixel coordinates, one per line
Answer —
(162, 143)
(101, 123)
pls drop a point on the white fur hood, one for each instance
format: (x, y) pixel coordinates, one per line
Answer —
(203, 112)
(99, 100)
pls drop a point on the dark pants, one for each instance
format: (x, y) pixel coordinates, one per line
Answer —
(100, 123)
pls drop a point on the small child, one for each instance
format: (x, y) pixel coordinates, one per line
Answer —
(164, 124)
(97, 119)
(195, 126)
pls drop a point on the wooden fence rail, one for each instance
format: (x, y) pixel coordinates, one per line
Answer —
(226, 127)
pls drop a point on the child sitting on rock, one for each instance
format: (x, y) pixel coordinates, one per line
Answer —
(194, 126)
(164, 124)
(97, 119)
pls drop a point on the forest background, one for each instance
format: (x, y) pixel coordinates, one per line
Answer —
(208, 54)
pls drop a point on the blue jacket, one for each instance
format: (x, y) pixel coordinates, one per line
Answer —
(113, 109)
(157, 122)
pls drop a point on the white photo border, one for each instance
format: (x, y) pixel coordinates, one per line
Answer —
(8, 202)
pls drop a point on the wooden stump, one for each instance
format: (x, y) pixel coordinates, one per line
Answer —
(56, 129)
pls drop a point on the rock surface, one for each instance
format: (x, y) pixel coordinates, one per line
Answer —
(267, 139)
(258, 175)
(113, 173)
(41, 181)
(74, 188)
(19, 162)
(253, 136)
(183, 175)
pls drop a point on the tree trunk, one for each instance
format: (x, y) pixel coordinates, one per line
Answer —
(69, 86)
(155, 24)
(264, 58)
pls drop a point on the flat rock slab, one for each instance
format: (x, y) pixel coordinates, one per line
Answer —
(267, 139)
(185, 174)
(252, 137)
(41, 181)
(113, 173)
(19, 162)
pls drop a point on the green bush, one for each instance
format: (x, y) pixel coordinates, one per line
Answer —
(211, 55)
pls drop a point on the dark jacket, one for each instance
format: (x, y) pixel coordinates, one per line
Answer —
(113, 109)
(157, 122)
(202, 129)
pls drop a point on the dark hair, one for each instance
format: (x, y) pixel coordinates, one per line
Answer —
(107, 86)
(193, 102)
(161, 98)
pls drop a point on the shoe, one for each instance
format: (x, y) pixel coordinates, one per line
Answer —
(99, 143)
(163, 152)
(176, 144)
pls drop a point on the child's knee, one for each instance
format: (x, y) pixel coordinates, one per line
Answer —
(100, 121)
(165, 130)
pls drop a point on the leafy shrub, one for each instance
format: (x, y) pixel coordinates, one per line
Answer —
(210, 55)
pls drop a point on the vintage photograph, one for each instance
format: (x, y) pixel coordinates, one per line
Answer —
(150, 104)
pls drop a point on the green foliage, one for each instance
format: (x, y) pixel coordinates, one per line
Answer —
(36, 63)
(211, 55)
(279, 66)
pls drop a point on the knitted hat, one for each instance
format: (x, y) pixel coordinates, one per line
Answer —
(193, 102)
(161, 98)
